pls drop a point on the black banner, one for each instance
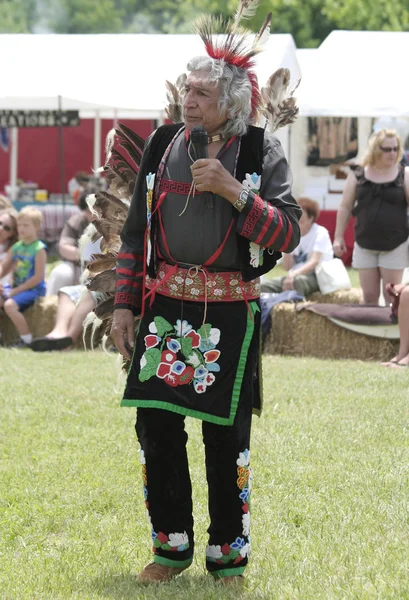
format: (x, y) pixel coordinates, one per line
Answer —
(39, 118)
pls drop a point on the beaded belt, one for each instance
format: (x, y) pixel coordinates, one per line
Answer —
(200, 285)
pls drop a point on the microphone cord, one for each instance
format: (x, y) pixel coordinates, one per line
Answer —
(193, 186)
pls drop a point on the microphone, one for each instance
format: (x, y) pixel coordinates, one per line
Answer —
(199, 140)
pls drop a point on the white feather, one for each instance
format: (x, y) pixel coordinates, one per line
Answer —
(91, 320)
(109, 144)
(90, 200)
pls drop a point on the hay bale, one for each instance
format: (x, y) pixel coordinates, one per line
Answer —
(304, 333)
(352, 296)
(40, 319)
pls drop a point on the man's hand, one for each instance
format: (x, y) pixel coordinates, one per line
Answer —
(123, 331)
(209, 175)
(288, 283)
(339, 246)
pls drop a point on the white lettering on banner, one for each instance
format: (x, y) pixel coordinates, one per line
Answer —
(39, 118)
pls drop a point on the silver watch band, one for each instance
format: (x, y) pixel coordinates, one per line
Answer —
(241, 200)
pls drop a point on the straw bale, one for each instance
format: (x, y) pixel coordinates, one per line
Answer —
(304, 333)
(352, 296)
(41, 320)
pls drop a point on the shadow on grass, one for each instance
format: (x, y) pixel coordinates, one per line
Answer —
(186, 587)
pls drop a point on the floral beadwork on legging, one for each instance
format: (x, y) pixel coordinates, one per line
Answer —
(174, 542)
(240, 548)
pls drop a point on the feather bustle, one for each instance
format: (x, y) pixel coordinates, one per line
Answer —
(101, 262)
(132, 137)
(103, 282)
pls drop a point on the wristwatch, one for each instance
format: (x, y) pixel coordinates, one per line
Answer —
(241, 200)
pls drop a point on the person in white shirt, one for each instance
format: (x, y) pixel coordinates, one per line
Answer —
(315, 247)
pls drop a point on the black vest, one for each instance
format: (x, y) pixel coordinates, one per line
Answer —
(250, 161)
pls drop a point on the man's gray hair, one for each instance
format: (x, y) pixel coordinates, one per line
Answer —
(235, 92)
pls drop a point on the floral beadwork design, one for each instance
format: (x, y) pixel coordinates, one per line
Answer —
(240, 548)
(214, 287)
(145, 483)
(244, 482)
(174, 542)
(252, 183)
(228, 553)
(180, 355)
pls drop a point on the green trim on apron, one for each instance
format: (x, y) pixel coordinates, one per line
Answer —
(144, 403)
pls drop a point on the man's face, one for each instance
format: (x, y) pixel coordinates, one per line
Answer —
(200, 104)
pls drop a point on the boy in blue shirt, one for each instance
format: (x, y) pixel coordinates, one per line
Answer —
(26, 259)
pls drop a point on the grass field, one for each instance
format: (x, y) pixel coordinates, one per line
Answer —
(330, 459)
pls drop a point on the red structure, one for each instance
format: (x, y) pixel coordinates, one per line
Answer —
(39, 156)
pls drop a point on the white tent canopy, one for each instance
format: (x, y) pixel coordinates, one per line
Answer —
(109, 72)
(356, 74)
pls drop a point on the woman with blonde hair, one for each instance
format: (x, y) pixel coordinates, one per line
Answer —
(4, 202)
(8, 236)
(377, 194)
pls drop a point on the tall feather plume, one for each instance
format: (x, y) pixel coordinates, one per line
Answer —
(279, 105)
(246, 9)
(263, 35)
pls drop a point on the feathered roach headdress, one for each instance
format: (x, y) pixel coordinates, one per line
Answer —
(238, 47)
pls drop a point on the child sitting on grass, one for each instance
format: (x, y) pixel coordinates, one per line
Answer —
(26, 259)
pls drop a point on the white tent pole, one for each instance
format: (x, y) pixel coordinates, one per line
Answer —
(97, 141)
(161, 118)
(364, 132)
(298, 153)
(13, 163)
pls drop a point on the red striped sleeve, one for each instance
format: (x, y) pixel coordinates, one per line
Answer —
(130, 282)
(277, 231)
(266, 225)
(128, 256)
(288, 236)
(123, 271)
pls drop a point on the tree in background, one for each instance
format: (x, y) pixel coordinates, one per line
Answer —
(367, 15)
(17, 16)
(308, 22)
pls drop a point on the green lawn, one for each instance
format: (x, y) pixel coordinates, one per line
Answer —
(330, 460)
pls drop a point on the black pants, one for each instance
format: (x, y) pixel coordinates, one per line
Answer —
(168, 489)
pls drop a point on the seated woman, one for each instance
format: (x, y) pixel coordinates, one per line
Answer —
(68, 272)
(74, 304)
(315, 246)
(8, 236)
(402, 357)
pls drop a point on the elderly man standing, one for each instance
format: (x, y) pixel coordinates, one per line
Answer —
(199, 234)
